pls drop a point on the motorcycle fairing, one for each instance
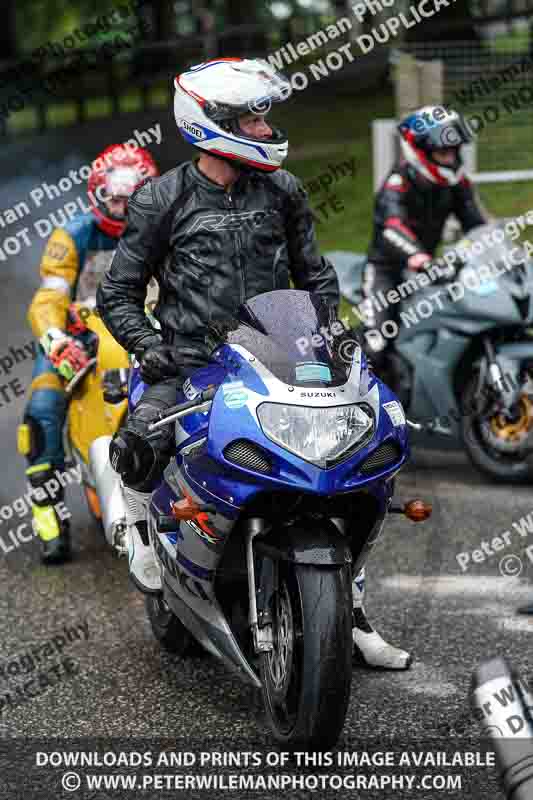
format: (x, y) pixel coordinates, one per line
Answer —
(468, 316)
(206, 475)
(189, 569)
(435, 346)
(433, 358)
(104, 418)
(195, 561)
(224, 479)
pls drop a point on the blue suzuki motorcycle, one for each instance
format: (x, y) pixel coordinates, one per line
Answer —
(286, 451)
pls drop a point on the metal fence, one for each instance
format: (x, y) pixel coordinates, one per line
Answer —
(493, 87)
(119, 80)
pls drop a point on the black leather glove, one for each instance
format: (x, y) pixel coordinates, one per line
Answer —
(159, 362)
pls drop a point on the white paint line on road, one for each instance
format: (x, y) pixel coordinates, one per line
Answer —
(427, 680)
(516, 624)
(479, 585)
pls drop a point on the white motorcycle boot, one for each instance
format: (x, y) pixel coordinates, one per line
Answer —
(369, 648)
(144, 570)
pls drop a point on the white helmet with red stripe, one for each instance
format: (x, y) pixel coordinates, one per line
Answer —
(434, 128)
(211, 97)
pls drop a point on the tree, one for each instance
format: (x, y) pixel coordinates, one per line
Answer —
(163, 19)
(452, 23)
(8, 31)
(242, 12)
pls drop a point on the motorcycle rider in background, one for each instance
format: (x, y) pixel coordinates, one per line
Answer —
(214, 232)
(72, 264)
(426, 185)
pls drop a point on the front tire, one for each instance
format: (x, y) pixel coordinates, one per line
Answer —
(166, 627)
(306, 677)
(500, 466)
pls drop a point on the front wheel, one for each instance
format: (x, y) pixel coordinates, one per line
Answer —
(166, 627)
(493, 442)
(306, 677)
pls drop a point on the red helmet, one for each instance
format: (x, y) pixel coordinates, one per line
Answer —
(117, 172)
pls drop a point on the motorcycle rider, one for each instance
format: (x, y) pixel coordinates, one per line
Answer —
(72, 264)
(214, 231)
(424, 187)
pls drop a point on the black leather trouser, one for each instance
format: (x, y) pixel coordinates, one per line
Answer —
(377, 312)
(157, 398)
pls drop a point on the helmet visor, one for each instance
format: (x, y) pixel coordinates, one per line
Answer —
(453, 133)
(122, 181)
(255, 89)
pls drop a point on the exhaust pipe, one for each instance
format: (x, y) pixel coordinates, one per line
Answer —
(110, 495)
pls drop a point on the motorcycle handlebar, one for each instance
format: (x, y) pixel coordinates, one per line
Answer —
(429, 427)
(200, 403)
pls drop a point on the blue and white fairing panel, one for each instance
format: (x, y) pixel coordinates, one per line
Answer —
(248, 384)
(193, 426)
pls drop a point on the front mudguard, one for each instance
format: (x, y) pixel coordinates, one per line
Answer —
(310, 543)
(318, 543)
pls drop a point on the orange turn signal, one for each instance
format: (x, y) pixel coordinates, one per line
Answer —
(417, 510)
(185, 509)
(93, 502)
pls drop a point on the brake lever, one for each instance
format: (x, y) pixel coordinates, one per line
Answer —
(200, 404)
(71, 385)
(429, 428)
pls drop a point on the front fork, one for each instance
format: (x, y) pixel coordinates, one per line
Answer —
(260, 618)
(261, 593)
(501, 374)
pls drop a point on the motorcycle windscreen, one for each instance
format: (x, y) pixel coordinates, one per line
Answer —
(294, 334)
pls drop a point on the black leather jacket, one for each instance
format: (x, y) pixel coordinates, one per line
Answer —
(210, 250)
(410, 213)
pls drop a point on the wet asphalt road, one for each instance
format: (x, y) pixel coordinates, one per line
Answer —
(122, 684)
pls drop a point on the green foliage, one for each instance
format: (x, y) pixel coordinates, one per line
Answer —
(39, 21)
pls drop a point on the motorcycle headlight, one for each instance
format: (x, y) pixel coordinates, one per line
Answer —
(319, 435)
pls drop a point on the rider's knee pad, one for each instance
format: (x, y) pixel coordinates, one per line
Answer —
(139, 462)
(41, 434)
(31, 439)
(137, 455)
(46, 487)
(133, 457)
